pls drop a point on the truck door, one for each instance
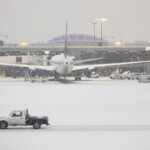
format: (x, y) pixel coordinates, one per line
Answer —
(17, 118)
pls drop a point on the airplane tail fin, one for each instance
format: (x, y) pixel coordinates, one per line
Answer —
(65, 49)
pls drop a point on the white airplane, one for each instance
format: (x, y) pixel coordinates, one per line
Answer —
(63, 64)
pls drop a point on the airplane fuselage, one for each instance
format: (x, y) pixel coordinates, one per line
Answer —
(63, 64)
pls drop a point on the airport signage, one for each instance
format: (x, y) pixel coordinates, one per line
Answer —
(18, 59)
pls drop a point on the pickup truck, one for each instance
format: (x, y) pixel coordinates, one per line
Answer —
(22, 117)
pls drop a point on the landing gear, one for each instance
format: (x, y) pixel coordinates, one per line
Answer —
(57, 76)
(78, 75)
(77, 78)
(33, 81)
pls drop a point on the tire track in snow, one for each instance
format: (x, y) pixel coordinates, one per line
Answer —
(99, 128)
(59, 128)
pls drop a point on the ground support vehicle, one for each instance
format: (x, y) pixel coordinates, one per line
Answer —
(114, 75)
(22, 118)
(35, 79)
(123, 75)
(144, 78)
(94, 75)
(117, 75)
(132, 76)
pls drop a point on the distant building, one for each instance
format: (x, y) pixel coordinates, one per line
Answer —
(80, 39)
(138, 43)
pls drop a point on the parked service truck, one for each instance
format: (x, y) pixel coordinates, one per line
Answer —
(22, 118)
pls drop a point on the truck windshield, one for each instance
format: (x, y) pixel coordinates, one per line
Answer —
(11, 114)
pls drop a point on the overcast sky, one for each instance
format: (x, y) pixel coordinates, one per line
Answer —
(40, 20)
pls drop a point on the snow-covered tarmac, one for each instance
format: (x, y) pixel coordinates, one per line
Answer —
(104, 114)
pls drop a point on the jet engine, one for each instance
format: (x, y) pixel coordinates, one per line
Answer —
(87, 73)
(32, 73)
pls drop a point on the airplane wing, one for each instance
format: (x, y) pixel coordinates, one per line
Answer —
(47, 61)
(90, 67)
(75, 62)
(86, 60)
(49, 68)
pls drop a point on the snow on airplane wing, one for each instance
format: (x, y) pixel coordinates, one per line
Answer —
(86, 60)
(49, 68)
(90, 67)
(47, 60)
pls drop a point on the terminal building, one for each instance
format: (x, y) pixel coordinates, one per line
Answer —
(80, 39)
(80, 46)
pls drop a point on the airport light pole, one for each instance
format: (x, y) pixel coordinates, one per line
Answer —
(94, 23)
(101, 20)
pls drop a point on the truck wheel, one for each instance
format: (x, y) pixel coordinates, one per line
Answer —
(33, 81)
(43, 81)
(36, 125)
(3, 125)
